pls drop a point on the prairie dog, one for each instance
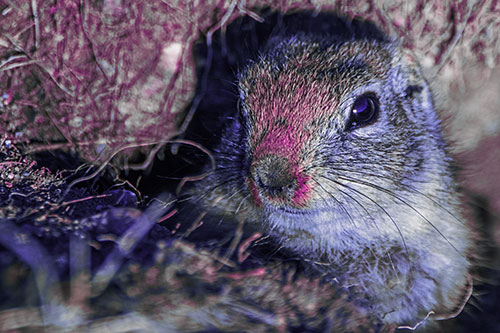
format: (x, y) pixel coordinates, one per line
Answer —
(336, 151)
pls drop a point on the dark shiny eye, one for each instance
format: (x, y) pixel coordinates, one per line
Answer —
(364, 111)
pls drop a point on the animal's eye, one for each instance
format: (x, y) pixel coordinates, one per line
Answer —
(364, 111)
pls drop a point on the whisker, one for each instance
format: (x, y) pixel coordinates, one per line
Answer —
(362, 206)
(353, 180)
(233, 195)
(374, 223)
(339, 203)
(406, 186)
(211, 189)
(241, 203)
(377, 204)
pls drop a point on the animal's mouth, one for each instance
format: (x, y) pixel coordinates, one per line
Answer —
(286, 210)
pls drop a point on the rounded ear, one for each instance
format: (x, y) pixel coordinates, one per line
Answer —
(409, 74)
(408, 80)
(415, 80)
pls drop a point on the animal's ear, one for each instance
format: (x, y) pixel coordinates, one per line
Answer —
(409, 82)
(414, 78)
(412, 83)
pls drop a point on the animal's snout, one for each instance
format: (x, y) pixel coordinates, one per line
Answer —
(276, 181)
(274, 178)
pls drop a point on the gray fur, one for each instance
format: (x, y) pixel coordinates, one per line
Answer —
(383, 211)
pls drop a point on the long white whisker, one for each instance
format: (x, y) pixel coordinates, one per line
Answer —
(353, 180)
(377, 204)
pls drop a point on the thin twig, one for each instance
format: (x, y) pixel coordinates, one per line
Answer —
(126, 244)
(12, 58)
(34, 11)
(222, 23)
(102, 166)
(203, 175)
(414, 327)
(451, 46)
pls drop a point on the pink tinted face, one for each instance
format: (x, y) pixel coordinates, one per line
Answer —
(286, 113)
(289, 103)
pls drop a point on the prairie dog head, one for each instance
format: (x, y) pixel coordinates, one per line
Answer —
(343, 132)
(337, 152)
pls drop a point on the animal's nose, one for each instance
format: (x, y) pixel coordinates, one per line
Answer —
(273, 177)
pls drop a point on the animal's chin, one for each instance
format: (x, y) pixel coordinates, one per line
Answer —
(289, 210)
(287, 207)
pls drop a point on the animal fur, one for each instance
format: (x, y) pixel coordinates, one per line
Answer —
(377, 204)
